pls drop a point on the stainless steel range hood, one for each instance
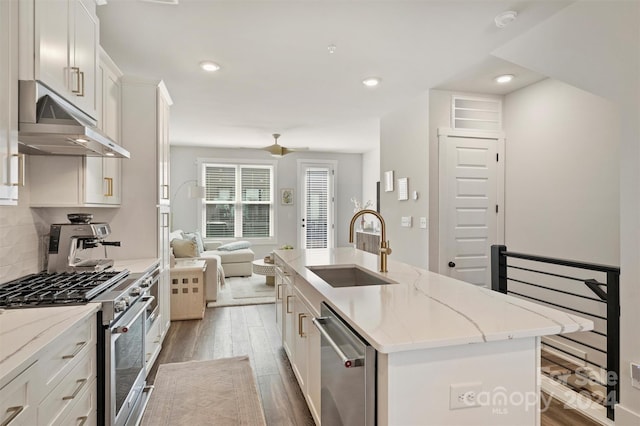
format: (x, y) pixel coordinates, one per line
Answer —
(50, 125)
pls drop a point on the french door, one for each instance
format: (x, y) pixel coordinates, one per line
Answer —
(317, 207)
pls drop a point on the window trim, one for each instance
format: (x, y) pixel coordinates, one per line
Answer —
(238, 163)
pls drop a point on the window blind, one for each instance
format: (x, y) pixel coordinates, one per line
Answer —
(255, 184)
(317, 186)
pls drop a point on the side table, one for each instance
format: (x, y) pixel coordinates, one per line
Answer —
(268, 269)
(187, 289)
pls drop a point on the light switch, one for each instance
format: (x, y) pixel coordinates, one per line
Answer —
(405, 222)
(423, 222)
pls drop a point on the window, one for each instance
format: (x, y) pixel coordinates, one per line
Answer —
(238, 201)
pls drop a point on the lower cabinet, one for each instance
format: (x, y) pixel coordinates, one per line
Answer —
(153, 342)
(295, 310)
(60, 387)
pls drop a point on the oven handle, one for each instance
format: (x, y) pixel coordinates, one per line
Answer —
(125, 328)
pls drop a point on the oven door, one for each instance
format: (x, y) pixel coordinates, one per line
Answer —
(150, 287)
(125, 378)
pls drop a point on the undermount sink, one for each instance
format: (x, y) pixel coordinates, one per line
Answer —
(348, 276)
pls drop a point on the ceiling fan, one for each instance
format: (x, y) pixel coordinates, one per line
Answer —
(278, 150)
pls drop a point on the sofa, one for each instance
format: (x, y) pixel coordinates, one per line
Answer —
(232, 259)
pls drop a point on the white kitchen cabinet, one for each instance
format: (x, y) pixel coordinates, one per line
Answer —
(85, 181)
(19, 399)
(11, 163)
(143, 220)
(60, 386)
(69, 181)
(307, 354)
(103, 175)
(289, 320)
(58, 46)
(279, 283)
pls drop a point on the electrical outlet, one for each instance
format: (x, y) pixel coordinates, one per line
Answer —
(464, 395)
(635, 375)
(423, 222)
(405, 222)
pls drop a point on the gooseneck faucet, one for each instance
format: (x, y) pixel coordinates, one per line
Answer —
(385, 250)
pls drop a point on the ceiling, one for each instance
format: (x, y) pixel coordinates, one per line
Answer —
(277, 75)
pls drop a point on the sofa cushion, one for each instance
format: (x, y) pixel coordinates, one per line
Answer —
(184, 248)
(236, 245)
(236, 256)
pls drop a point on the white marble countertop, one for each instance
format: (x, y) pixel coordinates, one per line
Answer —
(135, 265)
(425, 309)
(24, 333)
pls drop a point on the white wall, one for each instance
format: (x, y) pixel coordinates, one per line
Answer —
(370, 175)
(594, 45)
(349, 184)
(404, 148)
(562, 162)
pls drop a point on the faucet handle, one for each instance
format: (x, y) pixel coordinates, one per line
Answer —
(386, 249)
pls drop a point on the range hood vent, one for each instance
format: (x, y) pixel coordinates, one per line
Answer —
(50, 125)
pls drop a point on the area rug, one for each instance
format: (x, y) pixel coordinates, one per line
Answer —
(220, 392)
(238, 291)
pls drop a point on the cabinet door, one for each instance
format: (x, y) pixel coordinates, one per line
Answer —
(163, 149)
(84, 59)
(279, 300)
(52, 44)
(164, 279)
(9, 157)
(313, 369)
(301, 353)
(289, 326)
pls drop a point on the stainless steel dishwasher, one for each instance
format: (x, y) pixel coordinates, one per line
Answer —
(348, 373)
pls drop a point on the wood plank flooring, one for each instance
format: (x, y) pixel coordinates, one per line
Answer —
(251, 330)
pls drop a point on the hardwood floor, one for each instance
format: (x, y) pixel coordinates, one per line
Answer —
(251, 330)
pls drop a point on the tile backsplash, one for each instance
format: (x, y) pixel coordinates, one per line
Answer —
(21, 240)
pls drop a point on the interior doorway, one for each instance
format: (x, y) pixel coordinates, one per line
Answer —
(471, 200)
(317, 212)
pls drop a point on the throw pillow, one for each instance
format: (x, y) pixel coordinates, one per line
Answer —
(176, 234)
(236, 245)
(184, 248)
(196, 238)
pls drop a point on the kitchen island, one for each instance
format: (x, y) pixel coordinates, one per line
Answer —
(434, 335)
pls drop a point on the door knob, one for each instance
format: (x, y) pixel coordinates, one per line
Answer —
(452, 264)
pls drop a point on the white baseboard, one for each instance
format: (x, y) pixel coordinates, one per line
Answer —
(625, 417)
(590, 409)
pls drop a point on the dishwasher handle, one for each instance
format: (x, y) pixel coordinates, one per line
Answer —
(348, 362)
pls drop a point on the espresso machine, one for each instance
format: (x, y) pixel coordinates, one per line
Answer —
(71, 247)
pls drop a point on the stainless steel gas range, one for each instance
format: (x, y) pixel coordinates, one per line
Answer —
(127, 301)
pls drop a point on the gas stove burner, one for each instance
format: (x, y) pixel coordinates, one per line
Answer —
(65, 288)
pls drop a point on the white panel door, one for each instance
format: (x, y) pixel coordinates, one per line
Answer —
(471, 182)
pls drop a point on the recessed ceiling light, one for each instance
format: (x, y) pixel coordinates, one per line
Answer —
(209, 66)
(504, 78)
(505, 18)
(371, 81)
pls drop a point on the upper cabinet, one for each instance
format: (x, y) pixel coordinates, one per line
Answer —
(10, 161)
(58, 46)
(64, 181)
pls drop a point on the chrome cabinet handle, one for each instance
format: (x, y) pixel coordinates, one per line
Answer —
(75, 393)
(15, 411)
(79, 347)
(301, 317)
(288, 311)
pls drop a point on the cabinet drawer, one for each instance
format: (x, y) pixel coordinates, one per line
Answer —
(65, 352)
(57, 404)
(18, 399)
(84, 412)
